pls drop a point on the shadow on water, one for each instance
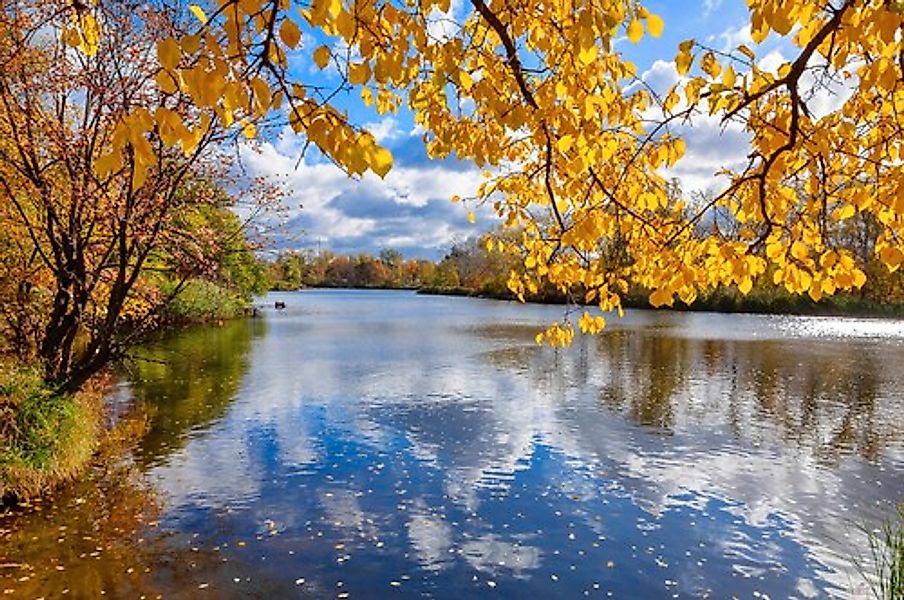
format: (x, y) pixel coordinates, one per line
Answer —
(97, 538)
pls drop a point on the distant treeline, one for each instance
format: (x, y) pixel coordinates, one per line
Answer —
(293, 270)
(469, 269)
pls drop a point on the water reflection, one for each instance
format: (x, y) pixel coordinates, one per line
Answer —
(370, 443)
(96, 539)
(188, 381)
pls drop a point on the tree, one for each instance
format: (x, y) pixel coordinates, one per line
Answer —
(96, 199)
(288, 271)
(572, 141)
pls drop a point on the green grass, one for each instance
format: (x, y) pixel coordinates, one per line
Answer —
(883, 569)
(202, 301)
(45, 438)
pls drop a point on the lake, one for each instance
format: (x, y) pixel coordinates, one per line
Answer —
(371, 444)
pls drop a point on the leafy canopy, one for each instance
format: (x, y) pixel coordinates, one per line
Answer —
(573, 145)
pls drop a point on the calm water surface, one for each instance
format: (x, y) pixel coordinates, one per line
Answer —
(370, 444)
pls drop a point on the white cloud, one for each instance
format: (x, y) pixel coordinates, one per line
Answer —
(709, 6)
(443, 25)
(384, 129)
(410, 209)
(735, 36)
(772, 61)
(661, 76)
(710, 145)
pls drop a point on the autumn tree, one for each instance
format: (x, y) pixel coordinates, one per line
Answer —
(96, 194)
(573, 144)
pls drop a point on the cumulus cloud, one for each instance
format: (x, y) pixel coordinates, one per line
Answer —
(384, 130)
(409, 210)
(710, 147)
(661, 76)
(710, 144)
(733, 37)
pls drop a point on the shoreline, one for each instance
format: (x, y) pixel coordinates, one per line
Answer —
(720, 305)
(871, 311)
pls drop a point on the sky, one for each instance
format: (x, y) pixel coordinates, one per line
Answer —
(411, 210)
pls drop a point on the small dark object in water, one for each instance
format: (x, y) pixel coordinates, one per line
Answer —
(279, 305)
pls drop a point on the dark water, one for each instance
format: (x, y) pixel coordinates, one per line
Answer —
(382, 444)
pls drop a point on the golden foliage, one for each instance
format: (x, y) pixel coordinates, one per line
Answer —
(535, 92)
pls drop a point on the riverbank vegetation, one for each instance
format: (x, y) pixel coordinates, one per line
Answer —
(99, 251)
(883, 566)
(47, 437)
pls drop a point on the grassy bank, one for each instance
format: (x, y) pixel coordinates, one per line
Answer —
(48, 438)
(45, 438)
(203, 301)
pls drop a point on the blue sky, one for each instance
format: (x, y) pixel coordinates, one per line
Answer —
(410, 210)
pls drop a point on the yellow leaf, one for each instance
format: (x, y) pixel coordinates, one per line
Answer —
(565, 142)
(168, 53)
(248, 129)
(190, 44)
(758, 34)
(107, 164)
(683, 62)
(381, 161)
(465, 82)
(655, 25)
(728, 77)
(676, 151)
(800, 251)
(745, 285)
(90, 31)
(71, 37)
(471, 217)
(746, 51)
(815, 291)
(844, 212)
(635, 31)
(359, 74)
(588, 54)
(199, 13)
(322, 57)
(166, 83)
(892, 257)
(710, 65)
(262, 95)
(660, 297)
(289, 33)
